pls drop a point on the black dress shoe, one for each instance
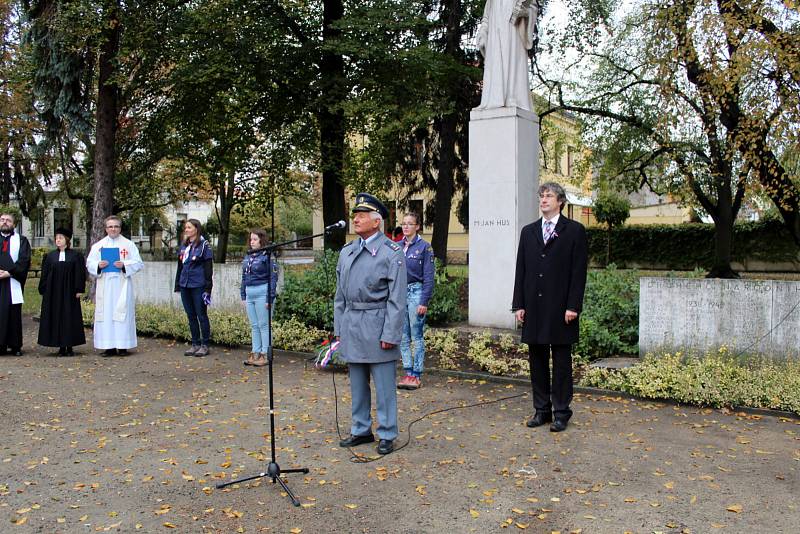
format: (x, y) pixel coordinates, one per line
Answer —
(15, 351)
(110, 352)
(352, 441)
(69, 352)
(122, 352)
(559, 425)
(385, 446)
(538, 420)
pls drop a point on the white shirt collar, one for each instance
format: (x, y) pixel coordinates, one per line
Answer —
(554, 220)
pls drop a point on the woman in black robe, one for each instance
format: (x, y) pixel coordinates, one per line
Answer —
(62, 281)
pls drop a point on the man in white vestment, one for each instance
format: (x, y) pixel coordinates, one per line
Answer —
(115, 306)
(506, 33)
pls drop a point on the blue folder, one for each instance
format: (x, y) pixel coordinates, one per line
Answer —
(110, 254)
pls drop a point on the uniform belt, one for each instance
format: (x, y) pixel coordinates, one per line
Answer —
(366, 305)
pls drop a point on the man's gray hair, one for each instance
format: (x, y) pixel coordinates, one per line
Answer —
(556, 189)
(375, 216)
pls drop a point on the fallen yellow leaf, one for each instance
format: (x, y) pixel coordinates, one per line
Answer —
(474, 513)
(735, 508)
(351, 506)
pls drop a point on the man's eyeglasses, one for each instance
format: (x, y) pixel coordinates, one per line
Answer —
(113, 226)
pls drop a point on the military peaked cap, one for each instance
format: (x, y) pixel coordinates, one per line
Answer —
(367, 202)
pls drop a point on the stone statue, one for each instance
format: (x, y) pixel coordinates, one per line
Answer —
(506, 33)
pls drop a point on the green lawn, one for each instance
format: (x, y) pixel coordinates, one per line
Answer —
(33, 300)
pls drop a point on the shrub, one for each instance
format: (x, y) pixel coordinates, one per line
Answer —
(610, 317)
(443, 343)
(445, 306)
(717, 379)
(37, 256)
(309, 294)
(690, 245)
(483, 352)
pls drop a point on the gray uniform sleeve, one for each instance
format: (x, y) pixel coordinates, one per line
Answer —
(396, 303)
(338, 299)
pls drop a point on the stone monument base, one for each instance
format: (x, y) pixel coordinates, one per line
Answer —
(503, 183)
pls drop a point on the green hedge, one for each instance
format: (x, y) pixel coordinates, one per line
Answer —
(227, 328)
(309, 294)
(717, 379)
(691, 245)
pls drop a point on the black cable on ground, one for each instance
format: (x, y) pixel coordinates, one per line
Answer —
(356, 458)
(360, 459)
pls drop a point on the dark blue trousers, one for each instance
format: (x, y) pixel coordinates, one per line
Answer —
(197, 312)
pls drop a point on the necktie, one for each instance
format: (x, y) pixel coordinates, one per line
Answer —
(548, 231)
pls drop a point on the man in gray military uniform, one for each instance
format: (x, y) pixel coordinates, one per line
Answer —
(368, 314)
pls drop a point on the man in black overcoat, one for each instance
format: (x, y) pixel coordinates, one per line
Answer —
(548, 296)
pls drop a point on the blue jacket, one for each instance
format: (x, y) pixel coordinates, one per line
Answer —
(420, 267)
(195, 266)
(259, 269)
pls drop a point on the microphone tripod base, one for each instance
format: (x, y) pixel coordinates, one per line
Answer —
(274, 472)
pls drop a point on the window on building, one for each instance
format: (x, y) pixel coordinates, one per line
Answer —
(37, 223)
(557, 159)
(570, 160)
(182, 217)
(62, 218)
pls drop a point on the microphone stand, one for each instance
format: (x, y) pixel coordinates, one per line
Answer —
(273, 469)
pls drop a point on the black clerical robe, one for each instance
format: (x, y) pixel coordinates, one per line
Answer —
(61, 323)
(11, 314)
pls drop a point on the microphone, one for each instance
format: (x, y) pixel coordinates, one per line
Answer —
(340, 224)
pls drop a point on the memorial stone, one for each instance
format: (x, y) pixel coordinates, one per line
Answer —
(748, 316)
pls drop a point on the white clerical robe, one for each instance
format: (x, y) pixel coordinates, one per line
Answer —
(115, 305)
(506, 33)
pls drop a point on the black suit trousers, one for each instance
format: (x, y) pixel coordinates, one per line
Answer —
(555, 398)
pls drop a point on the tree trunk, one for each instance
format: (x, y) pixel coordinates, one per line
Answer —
(446, 128)
(226, 202)
(333, 91)
(443, 200)
(106, 131)
(608, 247)
(5, 187)
(723, 236)
(776, 182)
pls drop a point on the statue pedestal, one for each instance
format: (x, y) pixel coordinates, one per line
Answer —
(503, 183)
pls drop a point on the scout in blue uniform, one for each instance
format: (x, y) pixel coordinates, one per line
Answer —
(420, 269)
(368, 315)
(194, 281)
